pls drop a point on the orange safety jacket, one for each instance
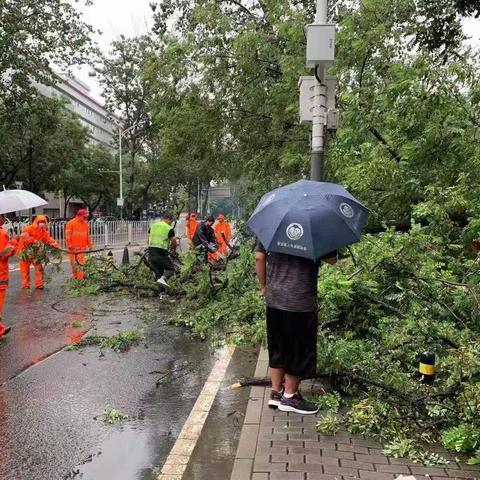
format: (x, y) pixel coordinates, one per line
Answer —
(222, 227)
(33, 233)
(191, 226)
(7, 249)
(77, 235)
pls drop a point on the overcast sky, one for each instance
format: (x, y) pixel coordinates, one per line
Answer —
(114, 18)
(134, 17)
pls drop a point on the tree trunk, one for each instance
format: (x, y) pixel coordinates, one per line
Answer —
(66, 203)
(205, 201)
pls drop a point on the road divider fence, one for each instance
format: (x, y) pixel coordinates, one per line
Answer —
(113, 233)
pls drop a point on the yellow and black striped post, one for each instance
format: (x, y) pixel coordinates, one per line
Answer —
(110, 260)
(427, 367)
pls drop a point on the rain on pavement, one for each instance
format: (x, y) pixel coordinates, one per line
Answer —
(51, 400)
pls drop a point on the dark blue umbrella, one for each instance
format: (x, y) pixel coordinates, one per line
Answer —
(308, 219)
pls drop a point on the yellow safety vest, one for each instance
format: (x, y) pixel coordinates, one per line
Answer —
(159, 235)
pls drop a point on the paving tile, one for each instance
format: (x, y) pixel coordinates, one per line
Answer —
(357, 465)
(254, 411)
(401, 461)
(418, 470)
(344, 471)
(288, 443)
(248, 442)
(459, 473)
(287, 476)
(317, 459)
(264, 443)
(321, 476)
(305, 451)
(371, 458)
(400, 469)
(346, 447)
(287, 429)
(465, 466)
(303, 436)
(367, 475)
(257, 392)
(271, 451)
(261, 369)
(272, 436)
(304, 467)
(259, 476)
(269, 467)
(340, 437)
(242, 469)
(338, 454)
(357, 440)
(289, 458)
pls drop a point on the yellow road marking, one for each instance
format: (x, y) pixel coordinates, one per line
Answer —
(180, 454)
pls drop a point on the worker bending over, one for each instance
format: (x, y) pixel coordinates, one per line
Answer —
(160, 242)
(32, 237)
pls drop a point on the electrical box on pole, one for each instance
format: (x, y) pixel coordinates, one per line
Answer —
(307, 97)
(320, 45)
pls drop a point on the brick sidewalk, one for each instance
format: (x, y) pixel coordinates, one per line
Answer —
(277, 445)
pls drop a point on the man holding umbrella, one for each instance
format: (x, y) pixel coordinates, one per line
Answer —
(298, 226)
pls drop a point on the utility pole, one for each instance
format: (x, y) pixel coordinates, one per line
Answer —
(120, 171)
(320, 53)
(121, 133)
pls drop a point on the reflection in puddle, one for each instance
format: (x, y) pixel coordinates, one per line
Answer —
(135, 450)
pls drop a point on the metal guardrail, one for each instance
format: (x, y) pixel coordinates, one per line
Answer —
(107, 234)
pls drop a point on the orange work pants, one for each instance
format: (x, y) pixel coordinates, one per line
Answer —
(25, 273)
(3, 294)
(3, 290)
(77, 262)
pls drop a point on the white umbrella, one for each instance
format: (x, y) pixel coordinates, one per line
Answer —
(16, 200)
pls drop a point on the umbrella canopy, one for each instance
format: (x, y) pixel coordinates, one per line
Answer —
(16, 200)
(308, 219)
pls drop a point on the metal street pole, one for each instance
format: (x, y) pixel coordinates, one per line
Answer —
(319, 110)
(120, 169)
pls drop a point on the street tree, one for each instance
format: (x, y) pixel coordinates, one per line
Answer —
(36, 35)
(125, 92)
(38, 140)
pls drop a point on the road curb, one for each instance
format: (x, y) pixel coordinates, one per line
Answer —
(177, 461)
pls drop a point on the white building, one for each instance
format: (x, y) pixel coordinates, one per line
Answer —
(93, 115)
(101, 124)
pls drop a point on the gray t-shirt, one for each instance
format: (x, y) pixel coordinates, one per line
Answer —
(291, 282)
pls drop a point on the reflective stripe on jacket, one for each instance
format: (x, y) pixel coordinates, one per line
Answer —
(159, 235)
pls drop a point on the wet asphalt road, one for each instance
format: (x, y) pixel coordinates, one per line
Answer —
(51, 403)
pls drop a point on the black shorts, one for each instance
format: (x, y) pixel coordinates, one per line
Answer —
(292, 341)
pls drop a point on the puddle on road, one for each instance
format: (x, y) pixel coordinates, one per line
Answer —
(138, 449)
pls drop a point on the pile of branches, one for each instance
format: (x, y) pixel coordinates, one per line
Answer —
(102, 275)
(396, 297)
(403, 295)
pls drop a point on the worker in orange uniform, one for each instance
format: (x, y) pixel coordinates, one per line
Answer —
(191, 225)
(223, 232)
(7, 249)
(33, 234)
(78, 240)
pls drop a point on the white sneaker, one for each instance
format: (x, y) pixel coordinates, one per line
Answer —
(163, 282)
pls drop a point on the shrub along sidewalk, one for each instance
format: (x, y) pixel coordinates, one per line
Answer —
(276, 445)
